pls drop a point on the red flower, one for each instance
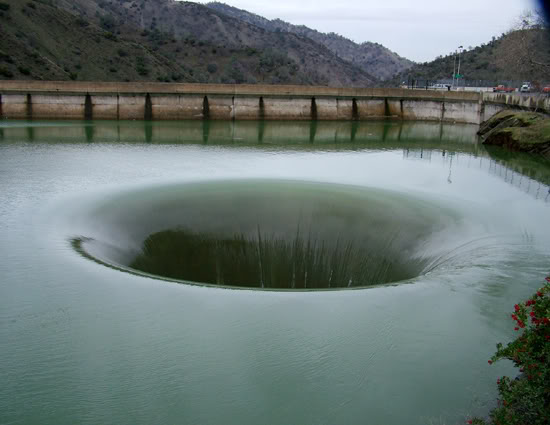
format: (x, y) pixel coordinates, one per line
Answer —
(490, 362)
(516, 307)
(540, 294)
(469, 422)
(548, 279)
(516, 329)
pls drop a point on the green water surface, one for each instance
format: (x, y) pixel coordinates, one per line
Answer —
(98, 324)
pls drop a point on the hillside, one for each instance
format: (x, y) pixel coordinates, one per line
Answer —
(157, 40)
(521, 55)
(40, 41)
(371, 57)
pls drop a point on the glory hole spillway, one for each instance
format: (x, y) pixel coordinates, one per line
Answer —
(269, 234)
(258, 271)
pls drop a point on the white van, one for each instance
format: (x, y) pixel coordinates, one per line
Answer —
(525, 88)
(440, 87)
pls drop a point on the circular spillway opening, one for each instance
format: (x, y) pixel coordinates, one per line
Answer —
(266, 234)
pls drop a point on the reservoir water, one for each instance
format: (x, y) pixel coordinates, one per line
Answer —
(260, 272)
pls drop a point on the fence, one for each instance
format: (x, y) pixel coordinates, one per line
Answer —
(422, 83)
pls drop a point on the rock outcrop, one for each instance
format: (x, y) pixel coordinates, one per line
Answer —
(518, 130)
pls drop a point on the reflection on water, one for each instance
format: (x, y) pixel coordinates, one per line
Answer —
(418, 140)
(528, 173)
(379, 134)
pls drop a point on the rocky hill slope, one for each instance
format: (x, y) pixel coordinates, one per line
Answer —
(371, 57)
(518, 130)
(162, 40)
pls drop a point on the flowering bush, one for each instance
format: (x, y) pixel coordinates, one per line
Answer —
(526, 399)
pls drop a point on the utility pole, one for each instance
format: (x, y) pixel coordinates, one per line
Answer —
(454, 69)
(458, 72)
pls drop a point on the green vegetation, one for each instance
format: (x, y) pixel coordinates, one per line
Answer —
(51, 39)
(212, 68)
(526, 400)
(141, 67)
(5, 72)
(244, 48)
(23, 70)
(519, 55)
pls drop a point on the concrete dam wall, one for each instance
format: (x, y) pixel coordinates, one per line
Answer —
(165, 101)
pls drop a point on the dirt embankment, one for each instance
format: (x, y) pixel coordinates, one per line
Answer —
(518, 130)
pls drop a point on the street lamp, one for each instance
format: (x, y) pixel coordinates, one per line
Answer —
(454, 70)
(458, 72)
(455, 73)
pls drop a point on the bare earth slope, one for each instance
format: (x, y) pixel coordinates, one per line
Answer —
(371, 57)
(160, 40)
(47, 43)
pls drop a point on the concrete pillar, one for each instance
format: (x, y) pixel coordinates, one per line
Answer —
(313, 112)
(261, 114)
(205, 108)
(148, 112)
(28, 110)
(354, 110)
(88, 107)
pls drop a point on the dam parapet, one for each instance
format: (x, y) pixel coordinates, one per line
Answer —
(167, 101)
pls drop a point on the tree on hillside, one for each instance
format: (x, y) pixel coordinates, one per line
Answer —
(528, 49)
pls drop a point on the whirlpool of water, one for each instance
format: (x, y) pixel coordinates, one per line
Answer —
(270, 234)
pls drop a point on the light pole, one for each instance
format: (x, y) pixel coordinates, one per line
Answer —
(458, 72)
(454, 70)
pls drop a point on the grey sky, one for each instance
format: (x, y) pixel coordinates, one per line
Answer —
(419, 30)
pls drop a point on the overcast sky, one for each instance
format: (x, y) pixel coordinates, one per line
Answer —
(419, 30)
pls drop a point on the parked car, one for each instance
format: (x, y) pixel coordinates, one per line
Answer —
(503, 89)
(525, 88)
(440, 87)
(546, 89)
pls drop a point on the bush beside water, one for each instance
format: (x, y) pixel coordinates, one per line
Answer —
(526, 399)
